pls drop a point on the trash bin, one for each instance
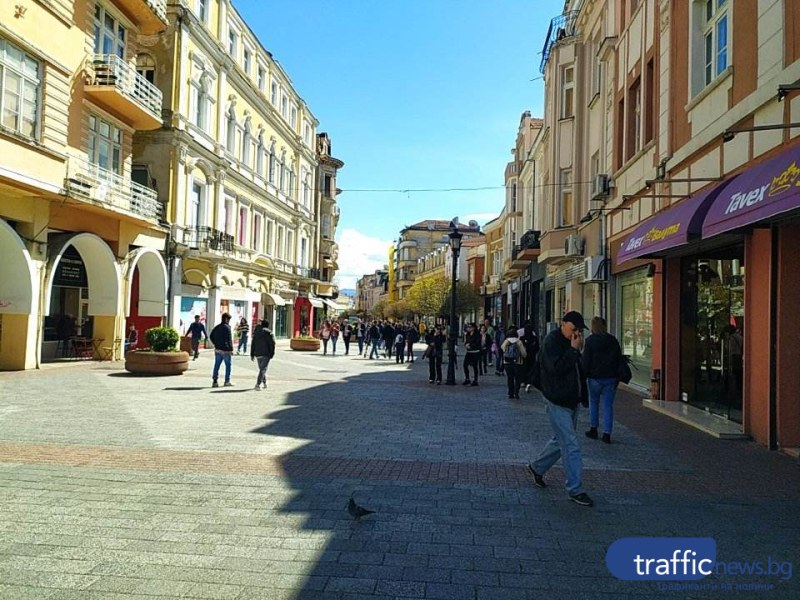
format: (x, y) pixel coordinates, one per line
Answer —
(186, 344)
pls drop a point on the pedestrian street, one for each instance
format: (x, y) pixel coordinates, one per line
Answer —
(114, 486)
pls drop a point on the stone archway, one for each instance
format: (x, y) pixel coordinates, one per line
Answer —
(19, 293)
(152, 284)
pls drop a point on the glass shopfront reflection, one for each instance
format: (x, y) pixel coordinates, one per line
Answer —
(635, 292)
(712, 326)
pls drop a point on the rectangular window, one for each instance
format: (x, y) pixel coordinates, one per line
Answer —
(270, 229)
(634, 124)
(273, 93)
(246, 59)
(279, 248)
(619, 146)
(109, 34)
(256, 241)
(303, 251)
(262, 78)
(105, 145)
(293, 117)
(290, 245)
(649, 102)
(711, 41)
(567, 92)
(20, 90)
(565, 207)
(233, 42)
(202, 10)
(285, 107)
(196, 205)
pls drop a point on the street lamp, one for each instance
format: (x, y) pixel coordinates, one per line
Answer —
(455, 245)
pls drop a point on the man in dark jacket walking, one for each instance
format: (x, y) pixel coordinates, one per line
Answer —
(222, 338)
(197, 330)
(262, 349)
(562, 385)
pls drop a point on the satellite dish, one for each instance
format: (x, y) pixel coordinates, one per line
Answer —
(473, 224)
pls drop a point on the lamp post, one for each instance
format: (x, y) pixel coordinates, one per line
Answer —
(455, 245)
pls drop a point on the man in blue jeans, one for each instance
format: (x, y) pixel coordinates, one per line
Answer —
(222, 338)
(562, 385)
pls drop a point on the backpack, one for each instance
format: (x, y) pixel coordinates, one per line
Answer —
(413, 336)
(512, 353)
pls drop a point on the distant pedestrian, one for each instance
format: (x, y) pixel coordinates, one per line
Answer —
(262, 349)
(374, 340)
(499, 336)
(486, 349)
(562, 385)
(347, 333)
(132, 339)
(325, 336)
(434, 352)
(600, 360)
(334, 335)
(196, 330)
(513, 360)
(531, 341)
(222, 338)
(472, 347)
(361, 332)
(412, 337)
(243, 329)
(399, 346)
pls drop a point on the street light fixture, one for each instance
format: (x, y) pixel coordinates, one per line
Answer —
(455, 245)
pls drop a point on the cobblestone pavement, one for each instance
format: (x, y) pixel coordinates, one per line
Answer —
(113, 486)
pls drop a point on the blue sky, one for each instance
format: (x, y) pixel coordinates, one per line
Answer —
(415, 94)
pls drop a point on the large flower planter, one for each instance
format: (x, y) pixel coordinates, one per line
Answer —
(304, 345)
(145, 362)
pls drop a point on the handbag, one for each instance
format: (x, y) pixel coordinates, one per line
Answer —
(624, 369)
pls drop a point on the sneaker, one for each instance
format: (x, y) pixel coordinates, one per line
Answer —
(474, 383)
(607, 438)
(227, 384)
(537, 479)
(438, 383)
(214, 384)
(430, 380)
(592, 433)
(528, 388)
(583, 499)
(258, 386)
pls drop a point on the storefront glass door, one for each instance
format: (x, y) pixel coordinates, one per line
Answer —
(712, 325)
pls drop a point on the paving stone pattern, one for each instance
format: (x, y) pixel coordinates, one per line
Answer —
(113, 486)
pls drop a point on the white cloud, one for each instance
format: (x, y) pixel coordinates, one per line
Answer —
(358, 255)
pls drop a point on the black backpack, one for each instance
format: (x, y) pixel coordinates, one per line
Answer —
(512, 353)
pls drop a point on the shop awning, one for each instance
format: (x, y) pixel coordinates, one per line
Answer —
(764, 191)
(675, 226)
(332, 304)
(315, 302)
(276, 299)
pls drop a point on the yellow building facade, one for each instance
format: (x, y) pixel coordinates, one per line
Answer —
(236, 164)
(80, 235)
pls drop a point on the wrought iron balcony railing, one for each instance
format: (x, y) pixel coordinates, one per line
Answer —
(529, 240)
(111, 70)
(91, 182)
(561, 28)
(308, 273)
(207, 238)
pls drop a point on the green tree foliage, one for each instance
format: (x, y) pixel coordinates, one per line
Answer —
(428, 296)
(378, 310)
(399, 311)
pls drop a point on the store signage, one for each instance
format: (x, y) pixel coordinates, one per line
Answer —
(71, 272)
(655, 234)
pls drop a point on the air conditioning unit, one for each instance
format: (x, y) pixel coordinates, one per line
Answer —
(601, 186)
(594, 269)
(573, 245)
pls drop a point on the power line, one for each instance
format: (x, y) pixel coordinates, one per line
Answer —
(464, 189)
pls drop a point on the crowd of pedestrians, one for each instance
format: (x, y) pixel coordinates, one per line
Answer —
(569, 371)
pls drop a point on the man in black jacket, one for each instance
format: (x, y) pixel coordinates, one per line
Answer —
(562, 386)
(222, 338)
(262, 349)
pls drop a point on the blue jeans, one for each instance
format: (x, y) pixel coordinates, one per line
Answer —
(334, 339)
(374, 350)
(602, 388)
(219, 358)
(242, 342)
(564, 445)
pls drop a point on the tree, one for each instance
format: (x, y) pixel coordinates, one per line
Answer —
(428, 296)
(399, 310)
(378, 310)
(467, 298)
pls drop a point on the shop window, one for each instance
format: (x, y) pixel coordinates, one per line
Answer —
(635, 290)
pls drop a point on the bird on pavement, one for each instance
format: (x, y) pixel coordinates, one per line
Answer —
(357, 511)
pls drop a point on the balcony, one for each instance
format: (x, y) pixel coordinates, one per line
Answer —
(149, 15)
(90, 182)
(207, 239)
(306, 273)
(328, 246)
(406, 262)
(528, 249)
(561, 28)
(404, 281)
(119, 88)
(327, 289)
(552, 245)
(407, 244)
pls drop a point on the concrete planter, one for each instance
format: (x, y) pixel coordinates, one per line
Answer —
(145, 362)
(304, 345)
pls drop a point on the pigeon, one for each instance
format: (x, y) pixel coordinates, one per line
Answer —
(357, 511)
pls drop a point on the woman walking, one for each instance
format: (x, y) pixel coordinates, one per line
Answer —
(600, 362)
(325, 335)
(347, 332)
(486, 348)
(243, 329)
(334, 335)
(513, 351)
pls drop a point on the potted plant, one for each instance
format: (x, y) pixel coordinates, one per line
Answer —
(162, 357)
(304, 343)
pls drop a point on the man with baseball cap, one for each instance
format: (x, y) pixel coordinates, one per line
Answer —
(562, 382)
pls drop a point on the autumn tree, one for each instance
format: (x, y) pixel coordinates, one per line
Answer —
(428, 296)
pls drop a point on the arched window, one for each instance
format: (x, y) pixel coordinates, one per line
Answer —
(291, 191)
(282, 178)
(146, 67)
